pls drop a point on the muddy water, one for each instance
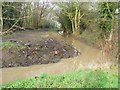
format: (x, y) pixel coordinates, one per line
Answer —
(90, 57)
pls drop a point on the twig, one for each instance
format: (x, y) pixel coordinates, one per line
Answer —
(19, 27)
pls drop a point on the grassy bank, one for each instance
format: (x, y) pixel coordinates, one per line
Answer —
(77, 79)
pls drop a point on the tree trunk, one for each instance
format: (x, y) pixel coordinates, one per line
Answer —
(76, 18)
(73, 27)
(77, 22)
(1, 19)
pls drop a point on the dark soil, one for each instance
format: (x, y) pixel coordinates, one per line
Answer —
(47, 50)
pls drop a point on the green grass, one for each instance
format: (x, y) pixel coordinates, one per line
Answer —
(7, 44)
(77, 79)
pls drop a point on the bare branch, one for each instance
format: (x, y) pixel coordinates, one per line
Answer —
(13, 25)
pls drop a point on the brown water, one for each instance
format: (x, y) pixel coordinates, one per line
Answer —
(90, 58)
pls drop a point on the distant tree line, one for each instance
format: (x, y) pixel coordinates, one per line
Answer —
(74, 17)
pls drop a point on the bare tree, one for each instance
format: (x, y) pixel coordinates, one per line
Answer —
(39, 12)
